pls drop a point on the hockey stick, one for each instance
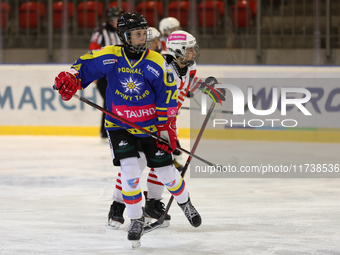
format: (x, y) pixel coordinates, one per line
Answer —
(220, 111)
(198, 109)
(160, 221)
(138, 127)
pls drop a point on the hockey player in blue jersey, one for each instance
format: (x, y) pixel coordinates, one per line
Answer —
(183, 54)
(142, 89)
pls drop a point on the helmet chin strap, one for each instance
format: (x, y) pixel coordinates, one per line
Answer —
(180, 62)
(188, 63)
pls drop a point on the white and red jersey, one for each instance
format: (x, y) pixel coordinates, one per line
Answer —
(184, 82)
(162, 41)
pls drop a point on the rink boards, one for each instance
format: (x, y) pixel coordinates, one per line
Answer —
(29, 106)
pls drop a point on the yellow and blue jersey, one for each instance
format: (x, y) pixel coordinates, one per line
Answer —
(141, 91)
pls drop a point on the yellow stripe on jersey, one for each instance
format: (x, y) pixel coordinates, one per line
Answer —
(115, 50)
(159, 60)
(87, 56)
(155, 57)
(161, 108)
(76, 67)
(162, 118)
(133, 131)
(127, 60)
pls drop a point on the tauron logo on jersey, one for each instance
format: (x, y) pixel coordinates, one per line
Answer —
(133, 182)
(170, 77)
(131, 85)
(153, 70)
(110, 61)
(119, 113)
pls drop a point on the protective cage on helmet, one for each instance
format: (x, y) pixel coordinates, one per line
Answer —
(132, 31)
(183, 47)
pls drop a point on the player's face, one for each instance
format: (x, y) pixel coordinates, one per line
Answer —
(154, 44)
(190, 54)
(138, 37)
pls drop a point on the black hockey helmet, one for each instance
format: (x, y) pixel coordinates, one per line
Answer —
(113, 12)
(128, 22)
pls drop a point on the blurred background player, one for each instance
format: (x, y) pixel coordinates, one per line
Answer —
(153, 40)
(102, 36)
(166, 27)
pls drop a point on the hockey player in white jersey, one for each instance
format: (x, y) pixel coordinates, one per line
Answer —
(183, 54)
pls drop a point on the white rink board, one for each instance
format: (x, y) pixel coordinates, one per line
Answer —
(27, 98)
(35, 103)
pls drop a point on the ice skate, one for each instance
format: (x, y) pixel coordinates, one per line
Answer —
(135, 231)
(191, 213)
(153, 210)
(115, 216)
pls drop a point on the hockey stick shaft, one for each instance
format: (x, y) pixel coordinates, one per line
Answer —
(138, 127)
(219, 111)
(160, 221)
(198, 109)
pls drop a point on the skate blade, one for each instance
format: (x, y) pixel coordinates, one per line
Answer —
(135, 244)
(165, 224)
(113, 224)
(148, 221)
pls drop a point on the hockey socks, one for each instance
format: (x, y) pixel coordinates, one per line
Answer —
(154, 186)
(132, 195)
(173, 182)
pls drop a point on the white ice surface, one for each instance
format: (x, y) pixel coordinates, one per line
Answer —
(55, 193)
